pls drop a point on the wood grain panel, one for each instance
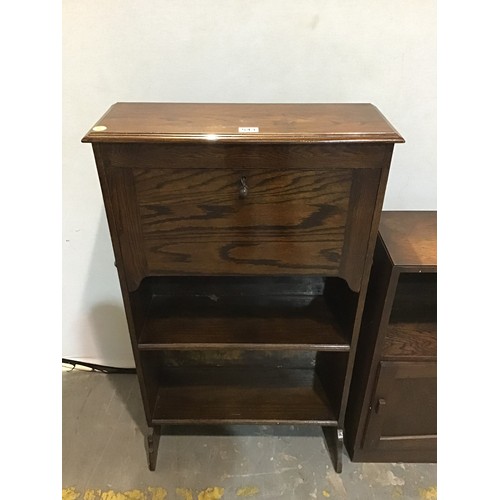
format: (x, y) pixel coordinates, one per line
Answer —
(240, 395)
(362, 200)
(289, 222)
(230, 257)
(249, 156)
(254, 359)
(408, 393)
(135, 304)
(314, 122)
(122, 192)
(259, 322)
(410, 238)
(410, 341)
(376, 311)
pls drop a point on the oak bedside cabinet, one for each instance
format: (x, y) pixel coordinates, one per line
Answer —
(243, 237)
(392, 413)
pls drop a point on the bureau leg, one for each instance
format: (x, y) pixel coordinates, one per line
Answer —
(153, 443)
(334, 437)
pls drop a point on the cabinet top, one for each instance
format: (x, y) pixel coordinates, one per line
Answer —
(184, 122)
(410, 237)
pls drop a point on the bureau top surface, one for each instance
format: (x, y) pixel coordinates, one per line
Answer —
(189, 122)
(410, 237)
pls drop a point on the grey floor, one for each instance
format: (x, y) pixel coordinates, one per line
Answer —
(104, 456)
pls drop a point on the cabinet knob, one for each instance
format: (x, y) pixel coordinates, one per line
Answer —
(243, 187)
(381, 404)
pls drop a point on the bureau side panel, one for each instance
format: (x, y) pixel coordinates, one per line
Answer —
(377, 305)
(366, 215)
(362, 204)
(135, 304)
(128, 224)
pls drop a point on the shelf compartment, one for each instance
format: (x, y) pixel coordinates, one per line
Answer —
(415, 299)
(410, 341)
(237, 395)
(267, 322)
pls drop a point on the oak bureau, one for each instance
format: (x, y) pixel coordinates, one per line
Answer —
(243, 236)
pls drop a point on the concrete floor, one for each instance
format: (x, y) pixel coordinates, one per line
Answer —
(104, 456)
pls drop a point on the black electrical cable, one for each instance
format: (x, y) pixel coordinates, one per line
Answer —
(98, 368)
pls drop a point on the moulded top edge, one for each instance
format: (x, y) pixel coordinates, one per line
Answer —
(189, 122)
(226, 138)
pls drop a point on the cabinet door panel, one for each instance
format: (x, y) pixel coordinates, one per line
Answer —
(403, 409)
(286, 222)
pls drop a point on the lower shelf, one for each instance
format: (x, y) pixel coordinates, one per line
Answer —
(236, 395)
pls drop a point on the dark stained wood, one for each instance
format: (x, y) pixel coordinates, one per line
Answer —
(134, 304)
(244, 257)
(252, 312)
(122, 192)
(150, 122)
(405, 451)
(306, 223)
(361, 297)
(376, 312)
(248, 156)
(259, 322)
(334, 438)
(412, 341)
(241, 286)
(410, 238)
(153, 444)
(362, 199)
(225, 395)
(289, 221)
(408, 416)
(149, 363)
(331, 368)
(247, 358)
(415, 298)
(392, 405)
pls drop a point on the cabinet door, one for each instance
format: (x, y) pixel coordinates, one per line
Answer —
(228, 215)
(236, 221)
(402, 420)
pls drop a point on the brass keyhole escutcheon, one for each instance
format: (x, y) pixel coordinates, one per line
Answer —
(243, 187)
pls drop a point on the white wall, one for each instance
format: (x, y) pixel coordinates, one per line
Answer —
(382, 52)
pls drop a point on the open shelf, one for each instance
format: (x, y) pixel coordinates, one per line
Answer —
(415, 299)
(410, 341)
(248, 322)
(225, 395)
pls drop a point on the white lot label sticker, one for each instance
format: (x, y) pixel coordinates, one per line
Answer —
(243, 130)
